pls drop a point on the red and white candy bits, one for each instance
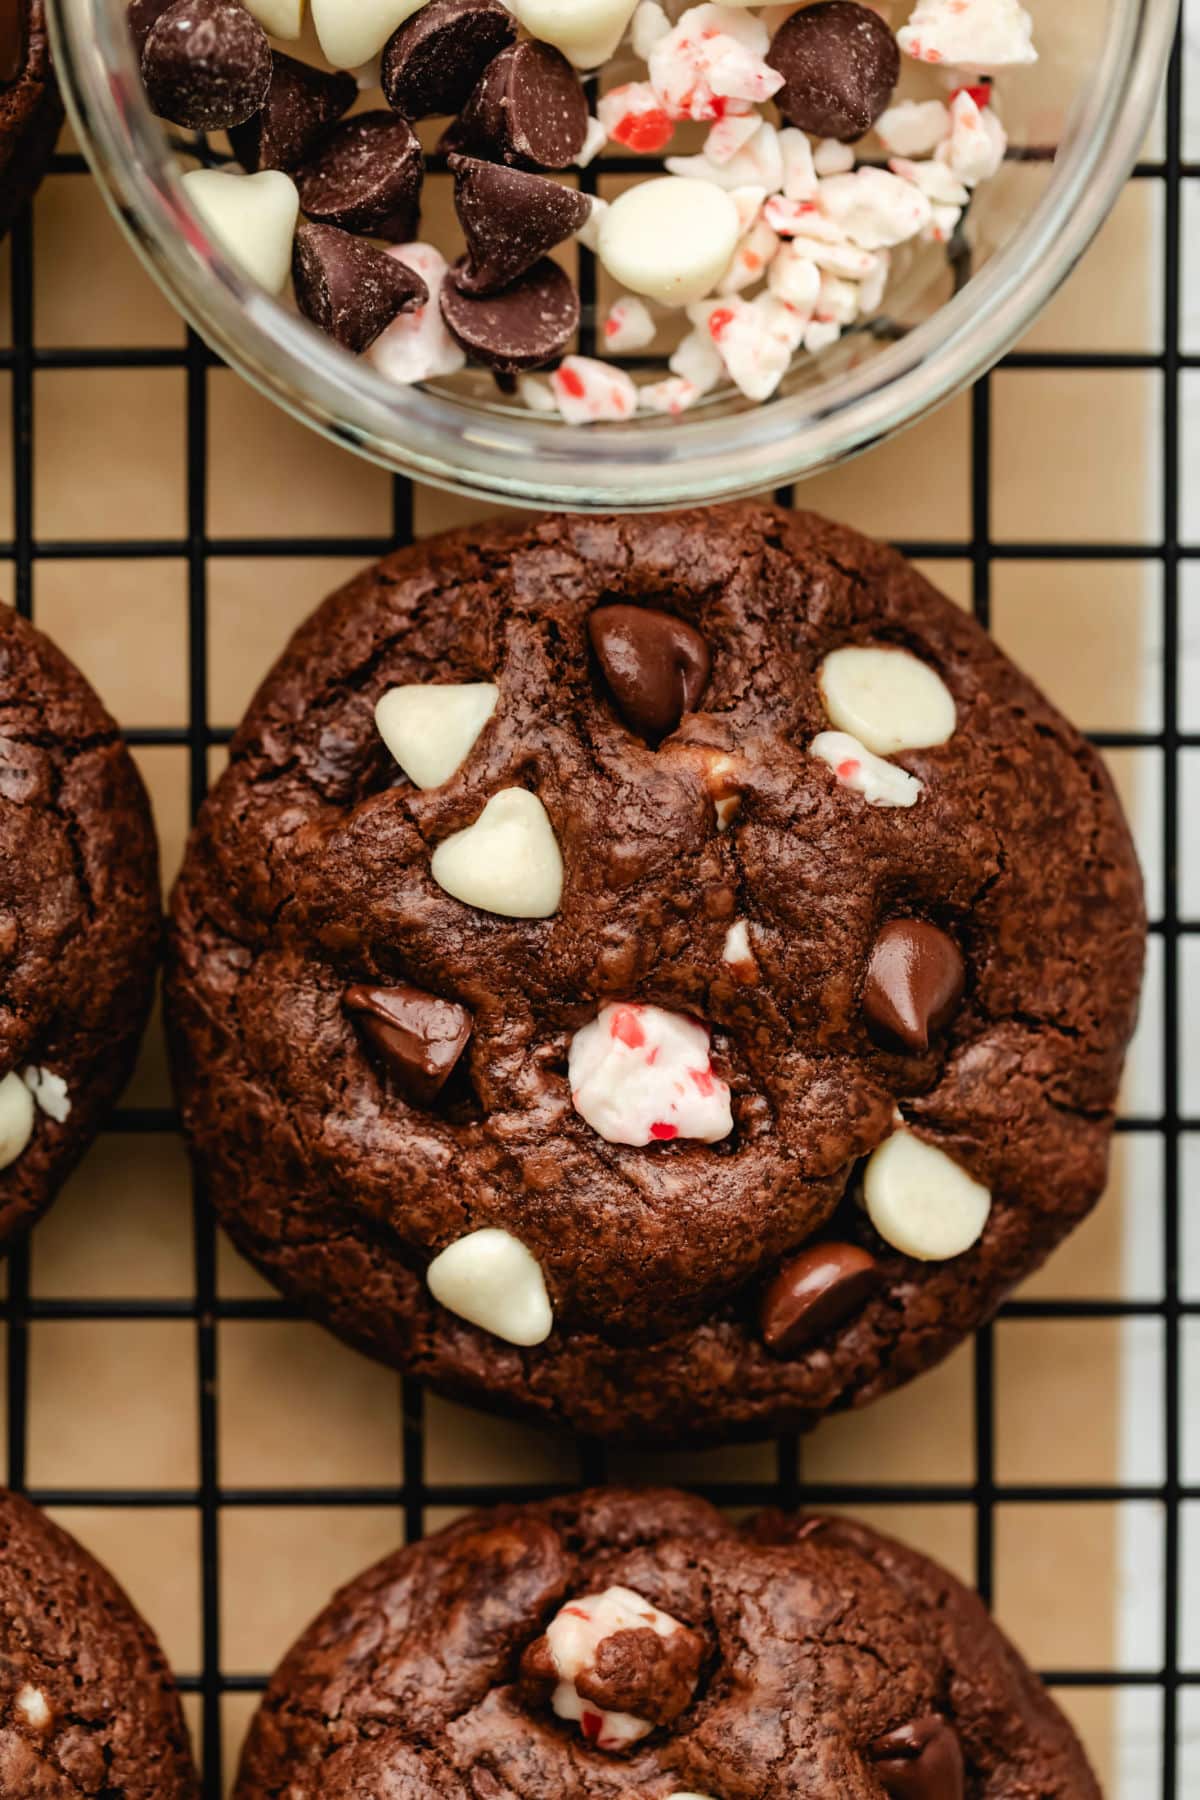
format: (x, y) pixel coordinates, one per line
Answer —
(574, 1637)
(838, 148)
(642, 1075)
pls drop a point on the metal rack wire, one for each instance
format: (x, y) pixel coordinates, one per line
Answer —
(206, 1309)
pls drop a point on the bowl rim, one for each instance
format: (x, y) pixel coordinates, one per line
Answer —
(496, 454)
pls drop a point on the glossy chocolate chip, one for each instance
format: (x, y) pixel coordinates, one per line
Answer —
(815, 1291)
(656, 666)
(529, 109)
(921, 1761)
(419, 1037)
(914, 982)
(140, 16)
(348, 287)
(206, 64)
(14, 15)
(527, 326)
(510, 219)
(301, 103)
(840, 63)
(366, 177)
(432, 64)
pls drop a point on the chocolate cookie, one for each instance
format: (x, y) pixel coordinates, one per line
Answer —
(752, 949)
(619, 1643)
(88, 1710)
(79, 918)
(31, 111)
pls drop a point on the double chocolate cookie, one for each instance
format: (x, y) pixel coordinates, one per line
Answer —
(88, 1710)
(620, 1644)
(80, 918)
(31, 111)
(669, 975)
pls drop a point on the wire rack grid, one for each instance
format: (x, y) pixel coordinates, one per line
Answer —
(210, 1498)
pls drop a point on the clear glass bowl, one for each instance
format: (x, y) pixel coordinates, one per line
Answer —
(1075, 121)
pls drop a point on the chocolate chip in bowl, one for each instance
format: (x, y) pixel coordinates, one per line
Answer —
(811, 302)
(691, 971)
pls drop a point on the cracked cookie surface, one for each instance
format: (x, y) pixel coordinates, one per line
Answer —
(80, 914)
(88, 1710)
(31, 111)
(716, 863)
(823, 1646)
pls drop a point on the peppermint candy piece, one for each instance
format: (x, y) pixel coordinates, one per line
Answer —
(508, 862)
(432, 729)
(628, 326)
(981, 35)
(913, 127)
(887, 698)
(713, 63)
(16, 1118)
(880, 783)
(416, 346)
(490, 1279)
(921, 1201)
(874, 208)
(642, 1075)
(586, 391)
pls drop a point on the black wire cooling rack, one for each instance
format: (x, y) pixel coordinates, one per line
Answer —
(206, 1309)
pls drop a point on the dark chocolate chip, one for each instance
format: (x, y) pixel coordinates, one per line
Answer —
(14, 15)
(366, 177)
(348, 287)
(431, 64)
(301, 102)
(815, 1291)
(656, 665)
(915, 980)
(529, 109)
(528, 325)
(921, 1761)
(510, 220)
(206, 64)
(141, 17)
(418, 1036)
(840, 63)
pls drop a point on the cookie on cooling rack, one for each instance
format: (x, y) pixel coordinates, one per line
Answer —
(30, 108)
(80, 918)
(669, 975)
(622, 1643)
(88, 1710)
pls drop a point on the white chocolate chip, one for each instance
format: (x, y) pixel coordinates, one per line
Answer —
(921, 1201)
(16, 1118)
(507, 862)
(737, 943)
(642, 1075)
(50, 1092)
(432, 729)
(281, 18)
(33, 1707)
(490, 1279)
(252, 216)
(351, 32)
(887, 698)
(594, 139)
(670, 239)
(586, 31)
(880, 783)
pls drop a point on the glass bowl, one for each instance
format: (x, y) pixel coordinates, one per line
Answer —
(1076, 121)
